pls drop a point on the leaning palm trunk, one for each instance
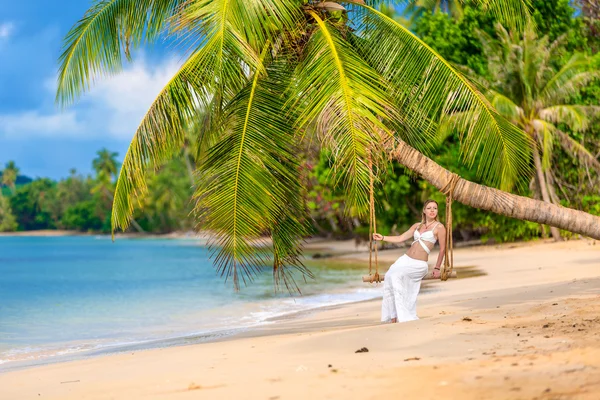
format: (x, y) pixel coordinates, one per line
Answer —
(497, 201)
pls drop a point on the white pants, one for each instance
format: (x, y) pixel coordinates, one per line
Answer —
(400, 289)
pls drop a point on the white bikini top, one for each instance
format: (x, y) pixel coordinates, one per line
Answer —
(426, 236)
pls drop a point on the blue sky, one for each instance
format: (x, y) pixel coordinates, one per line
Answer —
(47, 141)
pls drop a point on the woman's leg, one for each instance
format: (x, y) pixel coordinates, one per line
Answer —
(407, 284)
(388, 304)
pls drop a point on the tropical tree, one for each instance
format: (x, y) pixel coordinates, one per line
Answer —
(31, 204)
(276, 73)
(526, 89)
(9, 176)
(8, 222)
(106, 163)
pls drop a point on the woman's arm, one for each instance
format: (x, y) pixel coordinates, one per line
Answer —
(397, 239)
(441, 237)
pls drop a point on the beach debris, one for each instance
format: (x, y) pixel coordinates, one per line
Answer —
(412, 359)
(334, 370)
(329, 365)
(193, 386)
(70, 381)
(301, 368)
(467, 319)
(362, 350)
(546, 326)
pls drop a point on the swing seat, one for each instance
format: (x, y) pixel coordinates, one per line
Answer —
(429, 276)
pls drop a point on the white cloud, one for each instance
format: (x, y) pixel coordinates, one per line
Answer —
(32, 123)
(123, 100)
(6, 29)
(114, 107)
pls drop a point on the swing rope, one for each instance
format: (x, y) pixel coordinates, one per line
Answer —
(448, 190)
(372, 226)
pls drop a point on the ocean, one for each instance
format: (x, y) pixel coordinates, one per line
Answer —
(73, 297)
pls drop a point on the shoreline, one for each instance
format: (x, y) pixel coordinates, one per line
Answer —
(529, 324)
(118, 235)
(190, 339)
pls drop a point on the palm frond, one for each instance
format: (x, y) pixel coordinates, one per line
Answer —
(255, 21)
(287, 230)
(574, 116)
(512, 13)
(245, 180)
(425, 86)
(577, 150)
(506, 107)
(95, 46)
(345, 98)
(214, 71)
(515, 14)
(574, 75)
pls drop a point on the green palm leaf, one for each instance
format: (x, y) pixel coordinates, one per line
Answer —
(426, 87)
(95, 46)
(506, 107)
(215, 71)
(345, 99)
(577, 150)
(577, 73)
(512, 13)
(574, 116)
(247, 179)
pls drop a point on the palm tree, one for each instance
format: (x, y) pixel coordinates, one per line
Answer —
(106, 163)
(9, 176)
(106, 167)
(276, 73)
(526, 89)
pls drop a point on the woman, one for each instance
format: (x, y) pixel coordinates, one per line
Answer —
(403, 280)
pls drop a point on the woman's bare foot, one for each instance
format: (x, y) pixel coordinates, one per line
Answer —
(394, 320)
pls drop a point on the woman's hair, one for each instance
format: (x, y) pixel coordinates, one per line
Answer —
(423, 216)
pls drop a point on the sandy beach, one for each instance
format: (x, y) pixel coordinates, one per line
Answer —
(527, 328)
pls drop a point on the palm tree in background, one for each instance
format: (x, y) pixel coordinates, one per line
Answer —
(9, 176)
(106, 167)
(526, 89)
(106, 163)
(272, 74)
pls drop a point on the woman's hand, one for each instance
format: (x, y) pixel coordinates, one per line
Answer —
(436, 273)
(377, 236)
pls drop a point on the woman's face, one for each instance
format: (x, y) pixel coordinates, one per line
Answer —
(431, 210)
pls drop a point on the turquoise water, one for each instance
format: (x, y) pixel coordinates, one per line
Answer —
(75, 295)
